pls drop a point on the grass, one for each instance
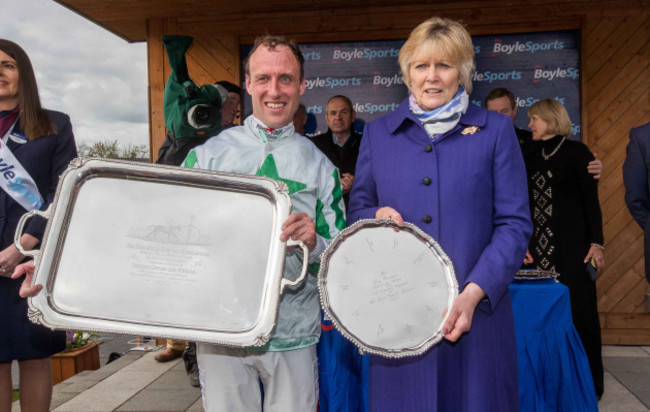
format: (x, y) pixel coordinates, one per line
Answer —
(15, 396)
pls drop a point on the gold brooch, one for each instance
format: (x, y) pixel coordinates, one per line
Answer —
(470, 130)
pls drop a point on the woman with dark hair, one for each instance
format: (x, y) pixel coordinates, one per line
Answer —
(568, 226)
(456, 171)
(36, 147)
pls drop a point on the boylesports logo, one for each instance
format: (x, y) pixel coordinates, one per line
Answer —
(371, 108)
(386, 81)
(332, 82)
(16, 184)
(529, 101)
(312, 55)
(576, 129)
(315, 109)
(528, 47)
(363, 54)
(489, 76)
(541, 73)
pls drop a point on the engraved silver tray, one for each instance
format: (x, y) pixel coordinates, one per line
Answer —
(387, 288)
(162, 251)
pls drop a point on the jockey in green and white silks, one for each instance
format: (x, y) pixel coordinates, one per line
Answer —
(314, 189)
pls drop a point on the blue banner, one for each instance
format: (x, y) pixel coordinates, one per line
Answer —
(533, 66)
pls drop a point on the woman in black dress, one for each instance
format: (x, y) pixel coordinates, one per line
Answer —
(36, 147)
(568, 230)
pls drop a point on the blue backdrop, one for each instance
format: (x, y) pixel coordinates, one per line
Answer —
(532, 65)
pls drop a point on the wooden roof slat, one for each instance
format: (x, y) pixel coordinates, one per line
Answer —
(128, 18)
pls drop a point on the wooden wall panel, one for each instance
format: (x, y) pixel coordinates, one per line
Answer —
(622, 29)
(622, 90)
(615, 93)
(622, 248)
(155, 52)
(617, 85)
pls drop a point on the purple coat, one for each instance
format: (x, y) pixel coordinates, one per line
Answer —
(468, 191)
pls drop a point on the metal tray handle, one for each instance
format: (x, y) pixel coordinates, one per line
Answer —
(305, 259)
(21, 226)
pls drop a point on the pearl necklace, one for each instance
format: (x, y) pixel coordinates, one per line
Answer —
(546, 157)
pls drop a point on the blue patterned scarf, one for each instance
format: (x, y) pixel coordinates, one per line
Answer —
(445, 117)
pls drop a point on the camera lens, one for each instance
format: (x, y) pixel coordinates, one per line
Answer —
(203, 116)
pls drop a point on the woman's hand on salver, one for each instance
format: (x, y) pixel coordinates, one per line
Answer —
(389, 213)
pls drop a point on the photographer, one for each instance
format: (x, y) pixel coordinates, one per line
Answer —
(192, 113)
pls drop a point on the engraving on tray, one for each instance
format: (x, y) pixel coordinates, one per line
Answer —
(389, 287)
(168, 252)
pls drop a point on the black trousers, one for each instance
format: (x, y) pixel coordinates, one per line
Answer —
(584, 310)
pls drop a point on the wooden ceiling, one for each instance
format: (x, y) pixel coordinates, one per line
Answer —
(128, 18)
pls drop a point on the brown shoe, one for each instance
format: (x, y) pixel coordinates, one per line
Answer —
(168, 354)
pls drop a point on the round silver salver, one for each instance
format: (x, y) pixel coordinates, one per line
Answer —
(387, 288)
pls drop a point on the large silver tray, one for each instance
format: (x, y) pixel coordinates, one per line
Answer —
(387, 288)
(162, 251)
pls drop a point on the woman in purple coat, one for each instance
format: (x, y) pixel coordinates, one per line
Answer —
(457, 172)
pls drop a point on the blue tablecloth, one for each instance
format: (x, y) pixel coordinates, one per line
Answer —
(554, 373)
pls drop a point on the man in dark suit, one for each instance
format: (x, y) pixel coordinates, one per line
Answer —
(501, 100)
(635, 178)
(340, 143)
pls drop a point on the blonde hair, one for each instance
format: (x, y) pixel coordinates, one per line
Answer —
(443, 35)
(555, 116)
